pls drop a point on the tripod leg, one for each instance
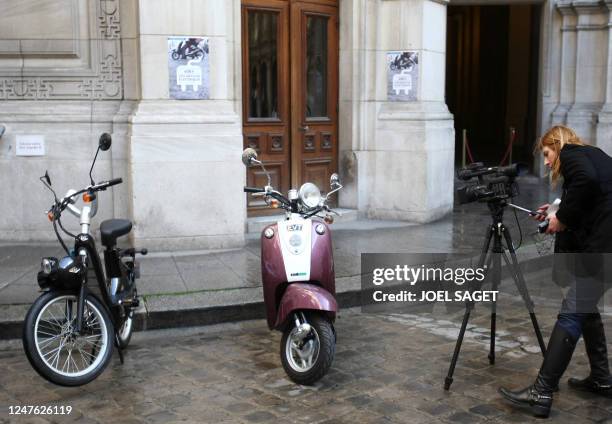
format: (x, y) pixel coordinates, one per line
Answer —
(495, 286)
(466, 316)
(494, 260)
(496, 280)
(485, 246)
(449, 377)
(519, 280)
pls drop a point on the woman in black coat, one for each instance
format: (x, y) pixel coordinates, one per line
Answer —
(583, 226)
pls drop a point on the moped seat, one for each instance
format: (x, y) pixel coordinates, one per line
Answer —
(113, 228)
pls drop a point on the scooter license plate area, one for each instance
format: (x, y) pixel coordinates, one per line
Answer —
(296, 238)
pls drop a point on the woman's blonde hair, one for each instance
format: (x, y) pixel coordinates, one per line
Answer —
(555, 138)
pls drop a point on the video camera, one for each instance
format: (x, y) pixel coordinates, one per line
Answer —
(493, 183)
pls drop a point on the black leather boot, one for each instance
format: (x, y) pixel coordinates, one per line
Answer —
(599, 381)
(539, 396)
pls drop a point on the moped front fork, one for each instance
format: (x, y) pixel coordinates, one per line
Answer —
(83, 291)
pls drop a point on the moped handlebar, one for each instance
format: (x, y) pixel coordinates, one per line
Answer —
(105, 184)
(67, 201)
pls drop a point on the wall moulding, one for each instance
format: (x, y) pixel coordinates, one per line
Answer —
(22, 36)
(87, 67)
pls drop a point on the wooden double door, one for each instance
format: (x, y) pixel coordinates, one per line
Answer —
(290, 92)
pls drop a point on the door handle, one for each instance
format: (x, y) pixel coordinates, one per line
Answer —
(304, 128)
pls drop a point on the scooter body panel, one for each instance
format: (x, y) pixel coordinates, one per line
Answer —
(296, 253)
(303, 296)
(322, 258)
(273, 275)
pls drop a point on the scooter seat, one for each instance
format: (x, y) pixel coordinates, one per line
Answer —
(113, 228)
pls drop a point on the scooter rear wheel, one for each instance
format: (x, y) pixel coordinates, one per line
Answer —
(307, 361)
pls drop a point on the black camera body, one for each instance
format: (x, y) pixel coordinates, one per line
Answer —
(492, 183)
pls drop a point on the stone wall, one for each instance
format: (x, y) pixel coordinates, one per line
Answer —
(71, 69)
(61, 76)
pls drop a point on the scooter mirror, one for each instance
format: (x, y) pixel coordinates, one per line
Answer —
(334, 180)
(248, 155)
(105, 142)
(47, 177)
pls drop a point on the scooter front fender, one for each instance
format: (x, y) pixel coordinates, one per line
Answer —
(303, 296)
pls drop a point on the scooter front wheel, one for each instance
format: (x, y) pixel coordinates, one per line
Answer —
(307, 359)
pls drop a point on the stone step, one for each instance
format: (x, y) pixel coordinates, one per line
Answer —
(256, 224)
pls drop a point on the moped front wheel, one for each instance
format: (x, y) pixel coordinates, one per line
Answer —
(53, 347)
(307, 359)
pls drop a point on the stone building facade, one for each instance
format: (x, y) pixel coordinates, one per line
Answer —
(72, 69)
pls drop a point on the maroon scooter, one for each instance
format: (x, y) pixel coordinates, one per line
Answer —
(297, 271)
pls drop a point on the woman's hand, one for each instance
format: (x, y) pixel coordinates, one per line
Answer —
(542, 215)
(554, 225)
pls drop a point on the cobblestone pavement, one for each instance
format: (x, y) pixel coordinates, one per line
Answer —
(388, 369)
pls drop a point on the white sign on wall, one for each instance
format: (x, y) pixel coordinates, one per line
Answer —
(30, 145)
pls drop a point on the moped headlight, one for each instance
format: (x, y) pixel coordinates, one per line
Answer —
(310, 195)
(48, 265)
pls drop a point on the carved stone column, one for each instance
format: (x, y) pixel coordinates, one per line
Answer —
(568, 61)
(399, 155)
(591, 67)
(184, 155)
(604, 126)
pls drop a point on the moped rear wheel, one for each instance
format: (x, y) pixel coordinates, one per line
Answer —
(307, 360)
(54, 349)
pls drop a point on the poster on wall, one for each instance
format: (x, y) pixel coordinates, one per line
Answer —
(188, 68)
(402, 76)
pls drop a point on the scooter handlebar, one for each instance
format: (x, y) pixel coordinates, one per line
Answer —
(254, 190)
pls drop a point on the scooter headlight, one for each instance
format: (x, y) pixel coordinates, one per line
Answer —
(310, 195)
(295, 240)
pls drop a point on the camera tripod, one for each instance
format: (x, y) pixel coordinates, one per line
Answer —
(496, 231)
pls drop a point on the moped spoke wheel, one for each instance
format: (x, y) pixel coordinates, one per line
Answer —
(307, 359)
(53, 346)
